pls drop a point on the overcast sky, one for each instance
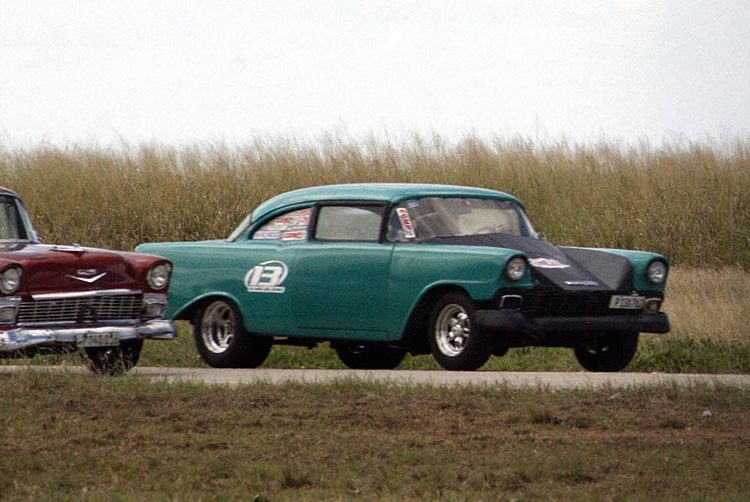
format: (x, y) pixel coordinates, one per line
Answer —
(180, 71)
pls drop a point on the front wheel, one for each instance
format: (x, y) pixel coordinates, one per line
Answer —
(222, 341)
(607, 352)
(454, 342)
(370, 357)
(113, 360)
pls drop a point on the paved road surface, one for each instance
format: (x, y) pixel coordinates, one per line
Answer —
(443, 378)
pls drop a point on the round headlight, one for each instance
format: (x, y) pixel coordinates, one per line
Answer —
(158, 276)
(656, 273)
(11, 280)
(516, 269)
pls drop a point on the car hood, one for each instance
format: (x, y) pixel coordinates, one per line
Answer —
(50, 268)
(568, 268)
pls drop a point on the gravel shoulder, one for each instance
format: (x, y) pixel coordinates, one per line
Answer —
(551, 380)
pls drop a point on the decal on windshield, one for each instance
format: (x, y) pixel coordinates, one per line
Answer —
(267, 277)
(547, 263)
(405, 219)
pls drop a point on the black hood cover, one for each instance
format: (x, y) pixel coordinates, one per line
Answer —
(573, 269)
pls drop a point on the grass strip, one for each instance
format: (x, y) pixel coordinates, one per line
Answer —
(92, 438)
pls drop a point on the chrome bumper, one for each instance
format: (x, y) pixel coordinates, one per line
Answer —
(23, 338)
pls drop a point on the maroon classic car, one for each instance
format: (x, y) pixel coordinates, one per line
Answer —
(64, 298)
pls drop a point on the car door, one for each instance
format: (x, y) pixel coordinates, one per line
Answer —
(341, 275)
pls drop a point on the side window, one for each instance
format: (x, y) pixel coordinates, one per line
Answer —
(8, 220)
(290, 226)
(349, 223)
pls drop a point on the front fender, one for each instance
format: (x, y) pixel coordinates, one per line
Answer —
(419, 269)
(640, 261)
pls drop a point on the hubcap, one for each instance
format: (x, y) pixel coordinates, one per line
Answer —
(452, 330)
(218, 327)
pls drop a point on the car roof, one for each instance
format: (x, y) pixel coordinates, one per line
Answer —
(383, 192)
(7, 191)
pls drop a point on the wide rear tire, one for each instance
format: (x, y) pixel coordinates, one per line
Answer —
(607, 352)
(222, 341)
(454, 342)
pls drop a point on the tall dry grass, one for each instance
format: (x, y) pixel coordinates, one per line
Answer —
(690, 201)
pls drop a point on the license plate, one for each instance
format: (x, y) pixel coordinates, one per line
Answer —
(98, 340)
(627, 302)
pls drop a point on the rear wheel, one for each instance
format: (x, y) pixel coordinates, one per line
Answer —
(113, 360)
(222, 341)
(607, 352)
(454, 342)
(370, 357)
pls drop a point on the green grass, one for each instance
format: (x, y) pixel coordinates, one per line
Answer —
(709, 309)
(655, 353)
(131, 440)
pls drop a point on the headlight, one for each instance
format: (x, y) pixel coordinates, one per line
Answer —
(158, 276)
(11, 280)
(516, 269)
(656, 273)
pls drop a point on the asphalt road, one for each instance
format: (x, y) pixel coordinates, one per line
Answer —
(577, 380)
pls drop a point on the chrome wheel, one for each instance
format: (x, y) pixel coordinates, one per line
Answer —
(452, 329)
(218, 327)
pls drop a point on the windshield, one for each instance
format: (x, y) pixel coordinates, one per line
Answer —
(432, 217)
(13, 221)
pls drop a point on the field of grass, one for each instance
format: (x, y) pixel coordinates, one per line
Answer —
(689, 201)
(129, 440)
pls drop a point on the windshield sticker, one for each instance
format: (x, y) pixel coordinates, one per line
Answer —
(267, 277)
(403, 216)
(412, 204)
(547, 263)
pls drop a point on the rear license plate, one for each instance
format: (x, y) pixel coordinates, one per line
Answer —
(627, 302)
(97, 340)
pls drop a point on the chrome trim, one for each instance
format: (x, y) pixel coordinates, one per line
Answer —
(10, 302)
(87, 294)
(581, 283)
(114, 322)
(150, 298)
(22, 338)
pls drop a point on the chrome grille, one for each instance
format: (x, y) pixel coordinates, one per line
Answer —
(75, 310)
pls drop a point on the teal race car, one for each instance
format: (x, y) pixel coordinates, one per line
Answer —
(381, 270)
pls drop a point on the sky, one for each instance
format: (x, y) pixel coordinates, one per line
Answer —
(83, 71)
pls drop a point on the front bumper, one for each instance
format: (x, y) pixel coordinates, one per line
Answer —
(24, 338)
(514, 323)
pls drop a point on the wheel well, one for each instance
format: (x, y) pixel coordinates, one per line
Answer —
(188, 313)
(415, 334)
